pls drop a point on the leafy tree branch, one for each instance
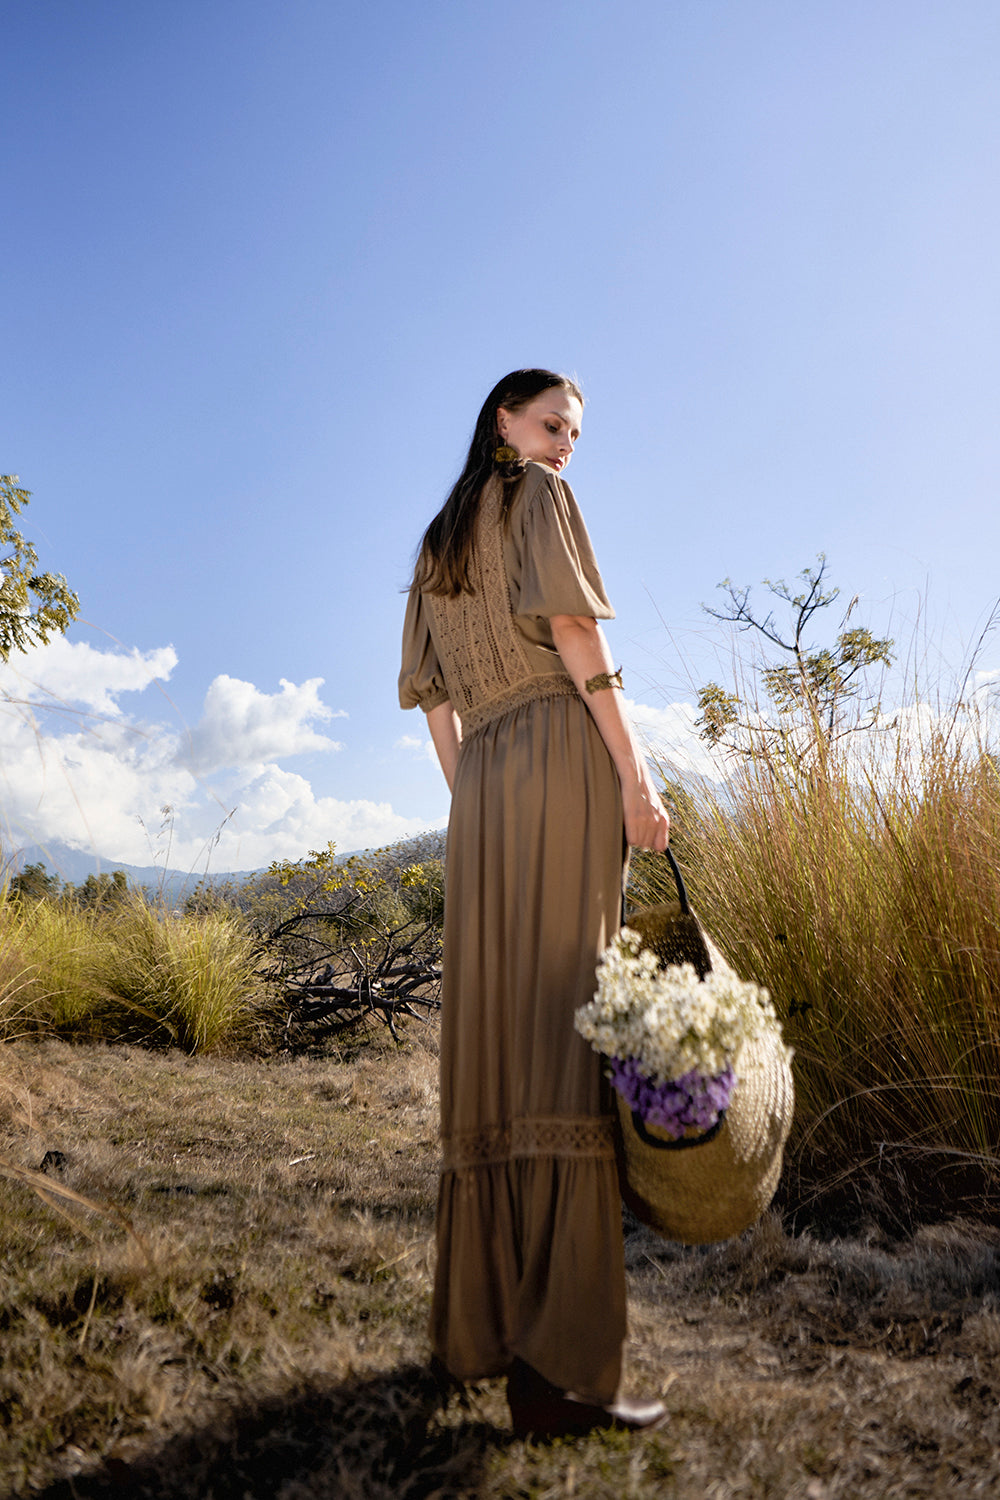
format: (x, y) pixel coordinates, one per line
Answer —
(32, 605)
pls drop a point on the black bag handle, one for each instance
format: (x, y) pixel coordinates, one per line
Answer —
(684, 1143)
(682, 894)
(675, 870)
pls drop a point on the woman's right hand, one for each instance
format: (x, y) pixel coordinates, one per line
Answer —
(647, 822)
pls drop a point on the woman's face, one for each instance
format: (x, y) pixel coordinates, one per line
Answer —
(546, 429)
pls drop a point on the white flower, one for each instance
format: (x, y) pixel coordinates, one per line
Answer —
(668, 1019)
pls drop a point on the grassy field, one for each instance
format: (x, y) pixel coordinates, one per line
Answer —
(217, 1286)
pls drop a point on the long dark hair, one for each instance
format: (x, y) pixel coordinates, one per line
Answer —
(443, 558)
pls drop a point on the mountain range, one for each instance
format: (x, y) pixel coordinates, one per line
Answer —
(74, 865)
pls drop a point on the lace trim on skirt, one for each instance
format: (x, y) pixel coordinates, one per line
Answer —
(576, 1135)
(544, 685)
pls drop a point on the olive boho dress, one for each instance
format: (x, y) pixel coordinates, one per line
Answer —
(530, 1259)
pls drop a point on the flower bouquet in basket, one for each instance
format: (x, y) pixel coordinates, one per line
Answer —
(702, 1081)
(670, 1037)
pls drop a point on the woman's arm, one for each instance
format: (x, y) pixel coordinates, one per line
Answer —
(581, 644)
(446, 732)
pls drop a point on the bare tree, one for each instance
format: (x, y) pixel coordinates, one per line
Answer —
(817, 689)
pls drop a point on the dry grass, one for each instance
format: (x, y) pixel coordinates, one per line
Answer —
(249, 1318)
(827, 1370)
(863, 892)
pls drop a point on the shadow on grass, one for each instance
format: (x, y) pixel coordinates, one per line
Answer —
(895, 1188)
(390, 1435)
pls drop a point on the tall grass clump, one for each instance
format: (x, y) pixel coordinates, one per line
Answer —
(18, 973)
(62, 947)
(195, 975)
(132, 972)
(859, 883)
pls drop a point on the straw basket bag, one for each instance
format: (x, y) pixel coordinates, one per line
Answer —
(713, 1185)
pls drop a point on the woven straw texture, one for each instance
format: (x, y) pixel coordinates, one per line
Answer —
(714, 1189)
(674, 935)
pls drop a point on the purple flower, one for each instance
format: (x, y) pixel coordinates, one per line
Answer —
(692, 1100)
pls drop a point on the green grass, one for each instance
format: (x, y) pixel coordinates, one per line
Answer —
(131, 971)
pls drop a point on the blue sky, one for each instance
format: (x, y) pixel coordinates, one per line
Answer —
(262, 262)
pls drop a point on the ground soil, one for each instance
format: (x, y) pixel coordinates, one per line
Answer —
(214, 1282)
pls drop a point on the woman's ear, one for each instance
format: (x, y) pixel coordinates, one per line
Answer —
(502, 421)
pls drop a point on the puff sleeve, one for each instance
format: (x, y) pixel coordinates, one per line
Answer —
(559, 573)
(421, 681)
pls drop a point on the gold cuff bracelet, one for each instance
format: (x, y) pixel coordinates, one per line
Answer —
(605, 680)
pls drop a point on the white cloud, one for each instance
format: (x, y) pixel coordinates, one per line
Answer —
(88, 786)
(279, 817)
(241, 726)
(902, 744)
(76, 768)
(75, 673)
(417, 746)
(897, 745)
(669, 735)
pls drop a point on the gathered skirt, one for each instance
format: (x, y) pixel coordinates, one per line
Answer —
(530, 1260)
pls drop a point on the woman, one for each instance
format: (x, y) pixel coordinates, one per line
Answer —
(503, 652)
